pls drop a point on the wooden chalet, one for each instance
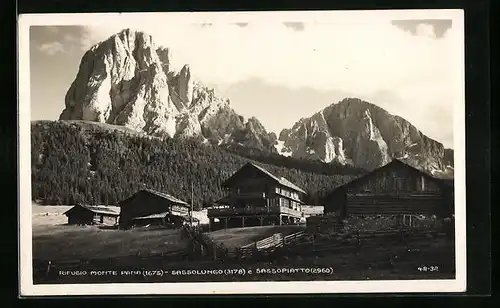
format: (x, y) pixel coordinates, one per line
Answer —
(82, 214)
(150, 207)
(393, 189)
(256, 197)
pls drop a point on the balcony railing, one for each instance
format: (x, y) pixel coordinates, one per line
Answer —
(249, 195)
(290, 197)
(289, 211)
(253, 210)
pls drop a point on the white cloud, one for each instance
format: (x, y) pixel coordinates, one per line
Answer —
(362, 58)
(51, 48)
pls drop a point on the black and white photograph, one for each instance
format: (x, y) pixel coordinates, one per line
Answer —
(242, 152)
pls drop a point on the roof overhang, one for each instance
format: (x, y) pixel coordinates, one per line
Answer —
(279, 181)
(387, 166)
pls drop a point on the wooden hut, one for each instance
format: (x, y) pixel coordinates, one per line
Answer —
(148, 206)
(82, 214)
(393, 189)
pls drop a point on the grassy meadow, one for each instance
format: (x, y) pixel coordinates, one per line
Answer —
(54, 239)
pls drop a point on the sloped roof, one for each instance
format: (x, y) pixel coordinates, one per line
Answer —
(223, 200)
(280, 180)
(289, 184)
(153, 216)
(98, 209)
(165, 196)
(389, 165)
(159, 216)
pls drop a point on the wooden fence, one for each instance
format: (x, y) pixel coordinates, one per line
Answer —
(291, 245)
(299, 243)
(275, 240)
(267, 244)
(291, 238)
(356, 241)
(203, 247)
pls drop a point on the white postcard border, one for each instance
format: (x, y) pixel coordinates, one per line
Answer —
(27, 288)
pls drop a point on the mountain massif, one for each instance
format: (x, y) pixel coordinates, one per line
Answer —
(128, 80)
(359, 133)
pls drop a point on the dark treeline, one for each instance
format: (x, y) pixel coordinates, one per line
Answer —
(308, 165)
(81, 162)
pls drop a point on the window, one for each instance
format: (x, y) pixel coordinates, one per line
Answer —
(285, 202)
(275, 202)
(422, 184)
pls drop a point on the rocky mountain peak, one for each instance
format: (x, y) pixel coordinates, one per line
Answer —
(185, 85)
(165, 58)
(129, 80)
(255, 125)
(254, 135)
(357, 132)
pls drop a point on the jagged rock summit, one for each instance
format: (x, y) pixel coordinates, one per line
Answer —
(128, 80)
(359, 133)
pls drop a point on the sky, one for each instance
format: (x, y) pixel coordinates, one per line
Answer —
(281, 71)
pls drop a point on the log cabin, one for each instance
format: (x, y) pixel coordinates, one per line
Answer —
(256, 197)
(393, 189)
(82, 214)
(148, 207)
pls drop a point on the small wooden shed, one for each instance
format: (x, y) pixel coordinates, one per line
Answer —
(82, 214)
(148, 206)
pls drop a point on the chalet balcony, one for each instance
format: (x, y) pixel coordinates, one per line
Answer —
(253, 210)
(249, 195)
(290, 197)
